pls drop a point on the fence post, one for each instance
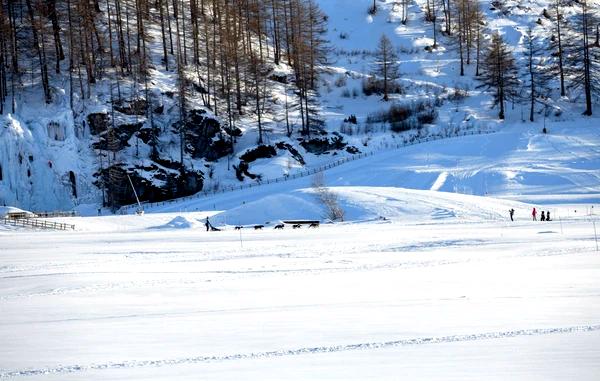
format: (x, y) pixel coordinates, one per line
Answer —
(561, 228)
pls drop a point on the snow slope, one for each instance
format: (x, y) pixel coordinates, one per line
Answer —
(518, 163)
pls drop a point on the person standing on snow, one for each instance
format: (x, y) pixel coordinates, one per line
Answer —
(548, 215)
(512, 213)
(543, 216)
(207, 224)
(534, 214)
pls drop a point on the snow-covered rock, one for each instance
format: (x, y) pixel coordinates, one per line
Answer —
(8, 211)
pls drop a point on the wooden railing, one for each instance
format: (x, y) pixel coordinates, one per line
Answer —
(34, 223)
(54, 214)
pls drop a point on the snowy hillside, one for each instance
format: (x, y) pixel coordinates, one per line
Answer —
(517, 164)
(54, 158)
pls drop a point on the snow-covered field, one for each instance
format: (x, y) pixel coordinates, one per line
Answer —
(426, 280)
(452, 298)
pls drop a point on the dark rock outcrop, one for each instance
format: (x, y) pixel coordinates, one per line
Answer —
(242, 169)
(98, 122)
(319, 146)
(260, 152)
(73, 182)
(147, 134)
(352, 149)
(293, 151)
(205, 138)
(281, 78)
(116, 139)
(168, 184)
(134, 107)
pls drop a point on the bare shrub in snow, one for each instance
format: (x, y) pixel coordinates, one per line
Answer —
(340, 81)
(405, 117)
(372, 9)
(215, 186)
(347, 129)
(373, 85)
(327, 198)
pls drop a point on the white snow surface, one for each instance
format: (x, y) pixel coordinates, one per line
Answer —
(5, 211)
(180, 222)
(427, 279)
(417, 284)
(457, 298)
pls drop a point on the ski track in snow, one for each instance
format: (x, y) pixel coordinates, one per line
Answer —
(440, 181)
(312, 271)
(301, 351)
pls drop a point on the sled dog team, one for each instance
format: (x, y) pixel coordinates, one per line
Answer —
(210, 227)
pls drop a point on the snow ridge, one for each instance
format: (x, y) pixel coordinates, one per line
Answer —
(303, 351)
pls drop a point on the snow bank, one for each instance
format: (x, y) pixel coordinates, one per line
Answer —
(180, 222)
(368, 203)
(296, 205)
(6, 210)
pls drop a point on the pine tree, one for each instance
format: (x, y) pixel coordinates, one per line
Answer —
(499, 73)
(386, 65)
(582, 62)
(557, 42)
(37, 29)
(466, 30)
(258, 79)
(477, 33)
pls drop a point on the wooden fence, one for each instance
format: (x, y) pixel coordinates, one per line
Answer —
(54, 214)
(34, 223)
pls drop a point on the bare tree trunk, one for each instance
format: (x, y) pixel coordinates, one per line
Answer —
(478, 49)
(110, 40)
(60, 55)
(71, 53)
(560, 51)
(40, 51)
(460, 39)
(124, 54)
(434, 19)
(586, 61)
(162, 31)
(169, 27)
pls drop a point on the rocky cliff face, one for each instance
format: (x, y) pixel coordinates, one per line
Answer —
(159, 176)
